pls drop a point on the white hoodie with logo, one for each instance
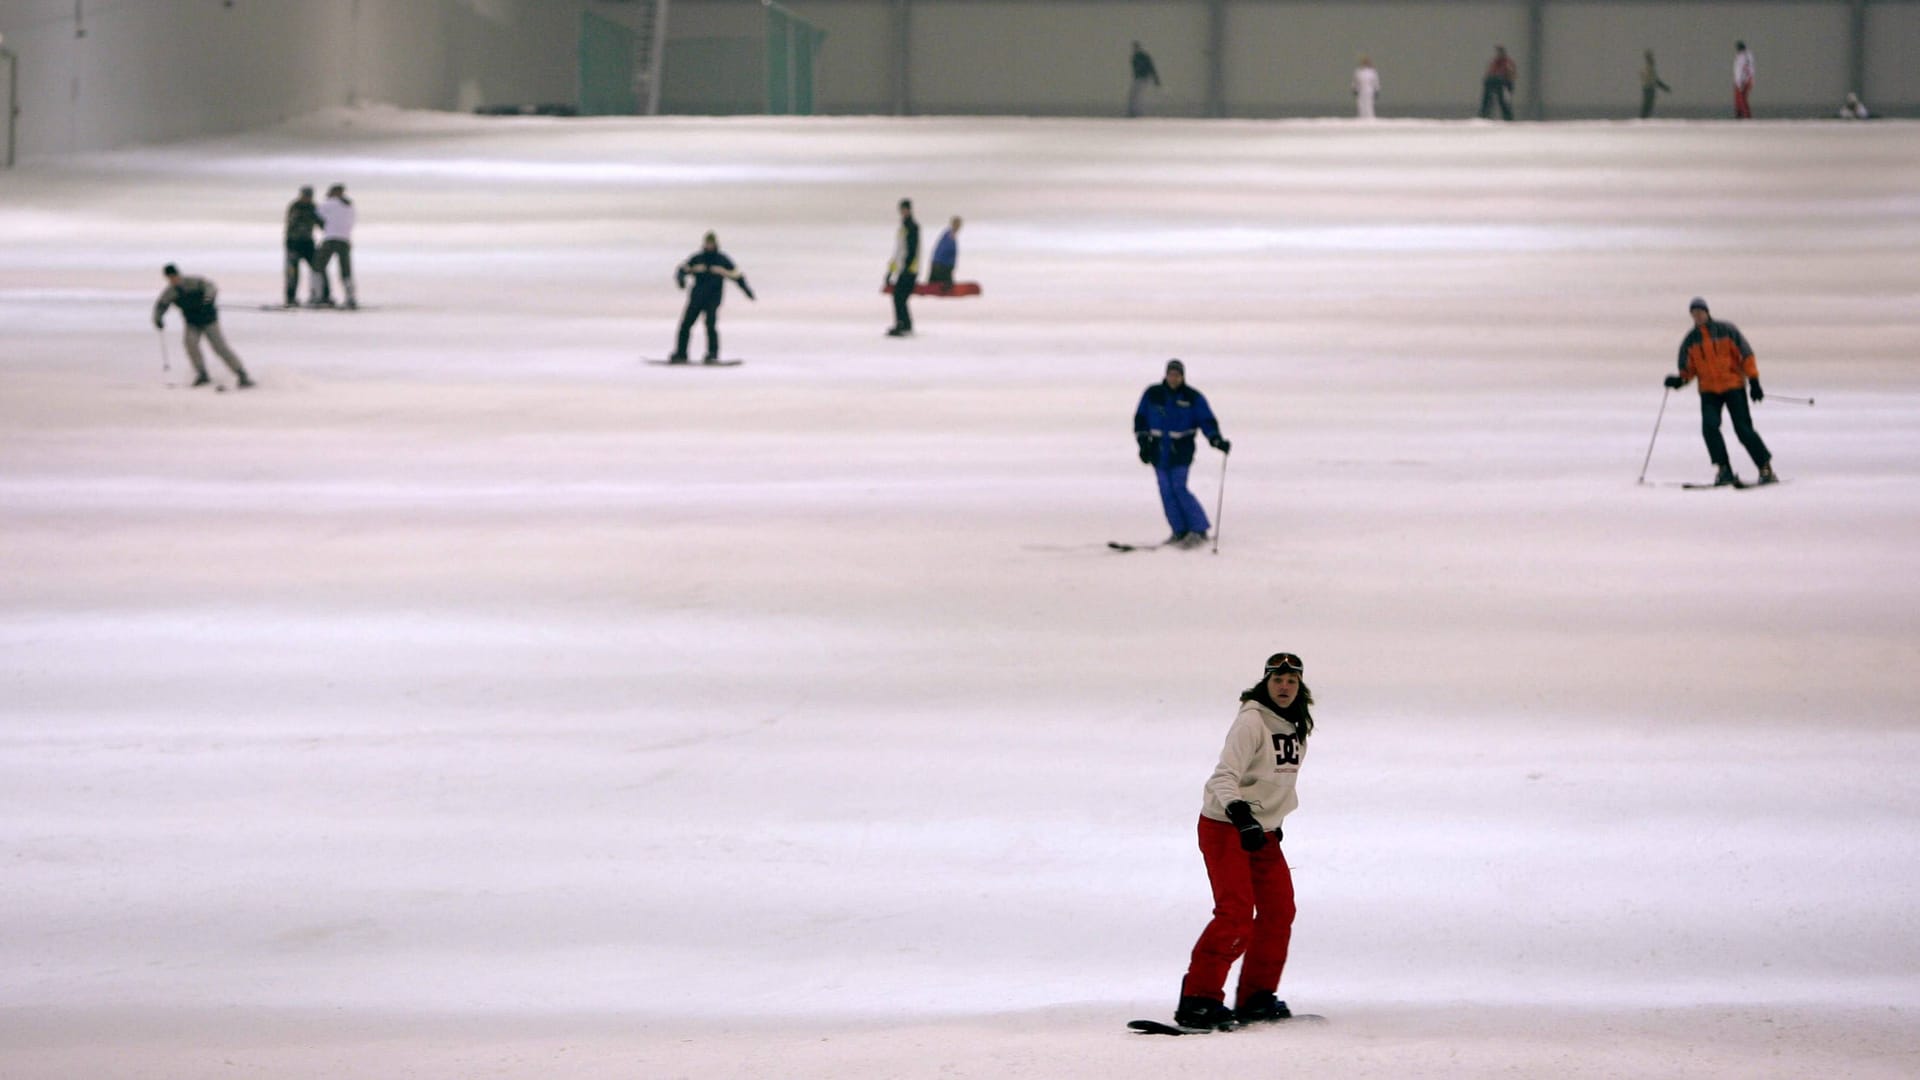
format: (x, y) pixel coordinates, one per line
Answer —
(1258, 766)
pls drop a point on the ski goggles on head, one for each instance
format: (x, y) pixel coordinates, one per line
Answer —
(1284, 663)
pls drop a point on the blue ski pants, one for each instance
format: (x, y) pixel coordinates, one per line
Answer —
(1184, 513)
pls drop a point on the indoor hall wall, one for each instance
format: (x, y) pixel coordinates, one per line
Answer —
(1594, 52)
(1071, 57)
(137, 71)
(1893, 43)
(1296, 57)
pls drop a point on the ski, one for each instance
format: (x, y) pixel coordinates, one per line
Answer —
(1737, 485)
(1118, 546)
(692, 363)
(1156, 1027)
(314, 307)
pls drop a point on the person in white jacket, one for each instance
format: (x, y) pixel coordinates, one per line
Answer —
(1249, 794)
(336, 217)
(1742, 81)
(1366, 87)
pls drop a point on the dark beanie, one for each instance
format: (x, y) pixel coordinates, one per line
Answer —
(169, 270)
(1698, 302)
(1175, 365)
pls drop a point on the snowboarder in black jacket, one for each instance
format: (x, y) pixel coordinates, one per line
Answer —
(710, 269)
(302, 218)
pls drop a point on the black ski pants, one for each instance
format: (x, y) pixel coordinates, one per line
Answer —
(1495, 91)
(298, 252)
(696, 308)
(902, 292)
(1734, 402)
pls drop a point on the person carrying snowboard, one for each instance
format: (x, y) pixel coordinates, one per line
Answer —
(1169, 413)
(1249, 794)
(710, 269)
(1717, 354)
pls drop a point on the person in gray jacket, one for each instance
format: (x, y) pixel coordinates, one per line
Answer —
(1249, 794)
(195, 297)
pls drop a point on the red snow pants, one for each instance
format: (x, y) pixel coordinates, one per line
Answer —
(1252, 916)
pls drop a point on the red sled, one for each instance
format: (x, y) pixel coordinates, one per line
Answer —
(928, 288)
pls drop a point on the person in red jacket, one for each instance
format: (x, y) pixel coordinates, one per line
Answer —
(1249, 794)
(1496, 87)
(1717, 354)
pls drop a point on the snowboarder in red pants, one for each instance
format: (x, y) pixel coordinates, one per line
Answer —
(1249, 794)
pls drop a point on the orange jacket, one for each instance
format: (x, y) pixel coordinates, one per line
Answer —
(1718, 356)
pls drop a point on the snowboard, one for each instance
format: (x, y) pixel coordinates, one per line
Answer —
(318, 307)
(954, 291)
(693, 363)
(1156, 1027)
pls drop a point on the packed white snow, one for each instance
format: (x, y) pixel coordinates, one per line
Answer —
(473, 699)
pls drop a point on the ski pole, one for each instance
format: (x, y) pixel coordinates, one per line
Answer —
(1795, 400)
(1220, 504)
(1656, 434)
(166, 356)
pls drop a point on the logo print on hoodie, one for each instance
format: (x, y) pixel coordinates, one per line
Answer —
(1286, 750)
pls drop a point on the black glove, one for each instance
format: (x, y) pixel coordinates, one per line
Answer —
(159, 324)
(680, 279)
(1221, 444)
(748, 291)
(1675, 382)
(1146, 449)
(1753, 389)
(1252, 836)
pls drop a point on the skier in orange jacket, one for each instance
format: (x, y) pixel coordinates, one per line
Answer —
(1717, 355)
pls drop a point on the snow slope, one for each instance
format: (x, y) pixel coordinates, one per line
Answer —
(475, 700)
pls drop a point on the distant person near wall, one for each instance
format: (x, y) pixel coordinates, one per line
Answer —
(1742, 82)
(903, 272)
(946, 254)
(1366, 88)
(338, 214)
(1854, 109)
(1650, 86)
(302, 218)
(1496, 87)
(1143, 74)
(196, 297)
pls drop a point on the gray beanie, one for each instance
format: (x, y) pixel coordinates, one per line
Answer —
(1698, 302)
(1175, 365)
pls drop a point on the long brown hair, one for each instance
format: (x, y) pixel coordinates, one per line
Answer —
(1299, 714)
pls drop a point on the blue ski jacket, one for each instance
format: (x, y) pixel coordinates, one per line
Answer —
(1170, 417)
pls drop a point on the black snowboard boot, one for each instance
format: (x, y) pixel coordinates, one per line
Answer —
(1262, 1008)
(1766, 475)
(1204, 1013)
(1725, 477)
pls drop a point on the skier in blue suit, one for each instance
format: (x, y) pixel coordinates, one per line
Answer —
(1170, 412)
